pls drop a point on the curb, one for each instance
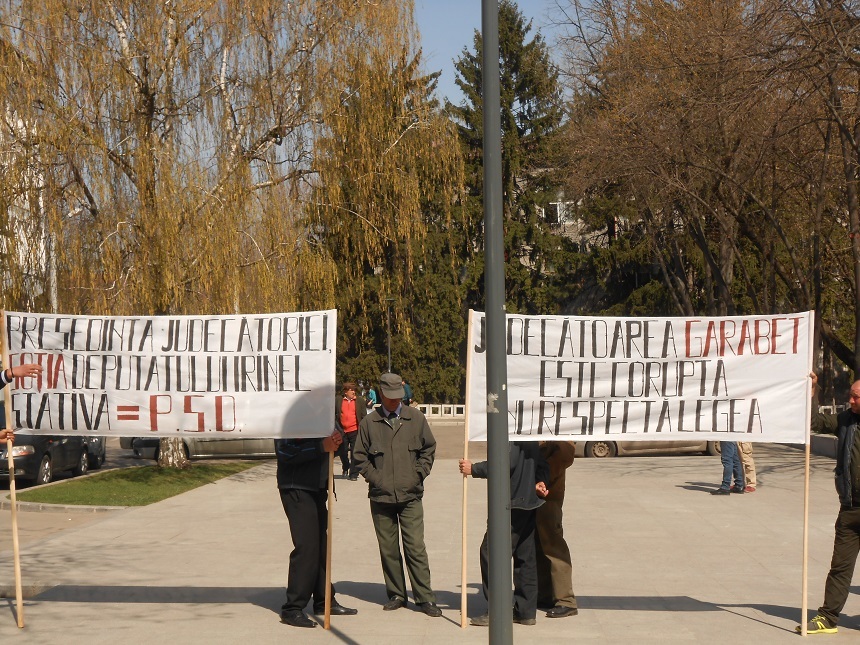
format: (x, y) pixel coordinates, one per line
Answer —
(6, 504)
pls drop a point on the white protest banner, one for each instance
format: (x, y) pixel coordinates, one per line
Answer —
(650, 379)
(251, 375)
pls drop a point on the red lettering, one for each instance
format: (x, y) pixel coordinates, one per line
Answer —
(154, 412)
(724, 336)
(745, 337)
(201, 424)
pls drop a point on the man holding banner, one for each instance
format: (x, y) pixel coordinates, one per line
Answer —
(21, 371)
(846, 544)
(7, 376)
(303, 485)
(529, 476)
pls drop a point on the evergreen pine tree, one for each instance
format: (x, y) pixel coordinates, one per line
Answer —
(536, 256)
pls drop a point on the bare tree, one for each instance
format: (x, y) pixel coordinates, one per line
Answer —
(685, 105)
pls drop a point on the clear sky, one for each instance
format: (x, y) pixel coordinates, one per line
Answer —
(447, 26)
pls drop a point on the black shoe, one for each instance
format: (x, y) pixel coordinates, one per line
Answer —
(345, 473)
(524, 621)
(353, 478)
(737, 489)
(336, 610)
(430, 609)
(560, 611)
(394, 603)
(481, 621)
(296, 619)
(720, 491)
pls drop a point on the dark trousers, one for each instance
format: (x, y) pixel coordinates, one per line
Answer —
(525, 563)
(308, 517)
(846, 546)
(346, 452)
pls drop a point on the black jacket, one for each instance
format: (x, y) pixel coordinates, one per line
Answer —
(302, 464)
(528, 468)
(844, 426)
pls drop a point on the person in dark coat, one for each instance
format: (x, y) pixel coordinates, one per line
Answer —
(303, 485)
(554, 568)
(846, 543)
(529, 475)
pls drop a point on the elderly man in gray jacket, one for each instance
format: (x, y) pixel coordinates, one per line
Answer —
(394, 453)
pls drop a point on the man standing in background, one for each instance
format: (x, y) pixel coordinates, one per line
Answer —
(554, 568)
(408, 395)
(732, 467)
(745, 448)
(349, 410)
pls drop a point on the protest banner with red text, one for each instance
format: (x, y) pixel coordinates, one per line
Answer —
(252, 375)
(650, 379)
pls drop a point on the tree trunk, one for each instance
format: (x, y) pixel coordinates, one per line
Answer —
(171, 453)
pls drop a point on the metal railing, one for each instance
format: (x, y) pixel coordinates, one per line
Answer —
(442, 410)
(831, 409)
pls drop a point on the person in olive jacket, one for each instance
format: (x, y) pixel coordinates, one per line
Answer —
(303, 485)
(394, 453)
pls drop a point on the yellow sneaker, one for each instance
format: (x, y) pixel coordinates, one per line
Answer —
(818, 625)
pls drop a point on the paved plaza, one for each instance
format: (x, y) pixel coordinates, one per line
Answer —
(656, 560)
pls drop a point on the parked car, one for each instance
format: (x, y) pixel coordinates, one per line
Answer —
(96, 452)
(243, 448)
(38, 457)
(622, 448)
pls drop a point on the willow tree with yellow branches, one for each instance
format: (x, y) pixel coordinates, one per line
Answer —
(174, 153)
(390, 170)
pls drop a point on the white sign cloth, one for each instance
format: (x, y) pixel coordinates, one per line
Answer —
(649, 379)
(252, 375)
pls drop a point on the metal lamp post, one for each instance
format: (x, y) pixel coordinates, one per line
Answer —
(388, 302)
(498, 450)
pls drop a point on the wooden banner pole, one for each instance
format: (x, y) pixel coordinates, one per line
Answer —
(805, 566)
(16, 550)
(328, 542)
(805, 574)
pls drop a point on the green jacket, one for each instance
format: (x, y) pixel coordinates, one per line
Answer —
(395, 455)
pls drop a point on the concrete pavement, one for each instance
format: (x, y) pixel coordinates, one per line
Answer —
(656, 559)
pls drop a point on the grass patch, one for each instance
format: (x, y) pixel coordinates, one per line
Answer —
(133, 486)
